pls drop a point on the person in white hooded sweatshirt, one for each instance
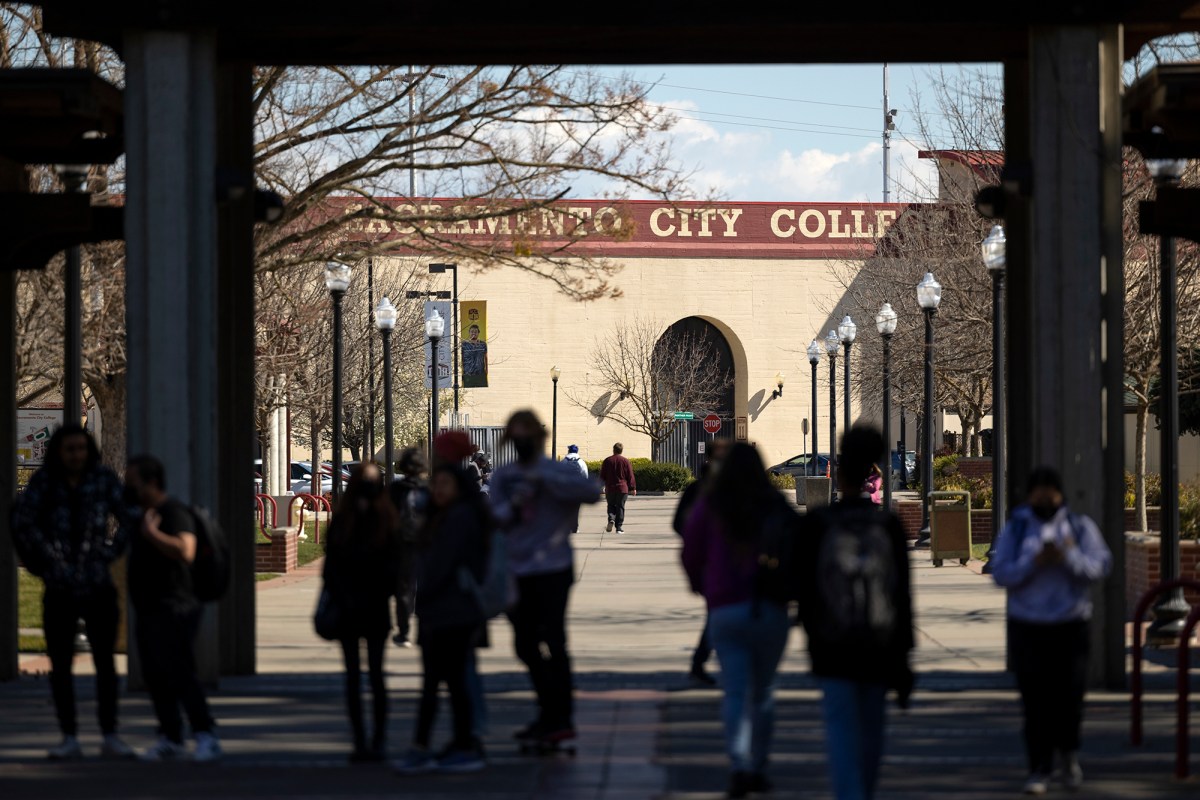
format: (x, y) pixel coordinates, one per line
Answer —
(573, 457)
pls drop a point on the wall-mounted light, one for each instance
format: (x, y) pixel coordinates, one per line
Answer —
(779, 386)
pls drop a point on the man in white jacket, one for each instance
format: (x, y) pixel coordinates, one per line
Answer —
(573, 457)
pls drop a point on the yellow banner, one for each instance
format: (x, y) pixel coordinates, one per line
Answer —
(473, 318)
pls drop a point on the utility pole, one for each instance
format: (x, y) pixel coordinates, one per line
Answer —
(889, 125)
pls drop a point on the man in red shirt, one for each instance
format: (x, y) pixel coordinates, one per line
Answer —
(617, 474)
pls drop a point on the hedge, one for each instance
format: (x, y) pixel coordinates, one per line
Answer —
(652, 476)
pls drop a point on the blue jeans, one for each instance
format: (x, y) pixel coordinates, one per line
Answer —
(854, 718)
(749, 644)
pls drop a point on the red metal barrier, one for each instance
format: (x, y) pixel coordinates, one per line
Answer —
(318, 503)
(261, 501)
(1135, 699)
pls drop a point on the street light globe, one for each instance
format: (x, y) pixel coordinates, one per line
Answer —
(435, 326)
(847, 330)
(885, 320)
(814, 352)
(832, 343)
(337, 276)
(385, 315)
(555, 374)
(929, 292)
(1166, 170)
(779, 379)
(993, 247)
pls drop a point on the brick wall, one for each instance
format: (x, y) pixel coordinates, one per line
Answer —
(1152, 517)
(1141, 567)
(279, 554)
(975, 467)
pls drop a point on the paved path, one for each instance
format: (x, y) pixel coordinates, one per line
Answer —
(643, 731)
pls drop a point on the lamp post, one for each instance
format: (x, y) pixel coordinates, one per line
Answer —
(929, 295)
(995, 259)
(370, 428)
(1171, 608)
(814, 355)
(337, 281)
(555, 374)
(832, 342)
(885, 323)
(73, 177)
(438, 269)
(847, 330)
(435, 326)
(385, 320)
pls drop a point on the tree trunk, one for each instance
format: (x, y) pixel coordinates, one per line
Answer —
(1139, 468)
(110, 400)
(264, 450)
(316, 459)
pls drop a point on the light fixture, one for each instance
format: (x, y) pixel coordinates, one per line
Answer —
(929, 292)
(847, 330)
(885, 320)
(385, 315)
(994, 249)
(814, 352)
(779, 385)
(435, 326)
(1165, 171)
(337, 276)
(832, 343)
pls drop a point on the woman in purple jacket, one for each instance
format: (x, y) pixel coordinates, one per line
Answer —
(721, 547)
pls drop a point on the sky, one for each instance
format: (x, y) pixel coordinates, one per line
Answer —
(795, 133)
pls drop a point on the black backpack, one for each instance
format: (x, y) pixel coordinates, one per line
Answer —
(775, 577)
(856, 578)
(210, 569)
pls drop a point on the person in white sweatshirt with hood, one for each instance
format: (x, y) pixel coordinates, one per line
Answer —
(573, 457)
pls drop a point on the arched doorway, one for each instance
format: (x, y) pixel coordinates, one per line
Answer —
(695, 352)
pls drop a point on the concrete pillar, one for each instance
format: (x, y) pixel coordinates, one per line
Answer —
(171, 269)
(1065, 340)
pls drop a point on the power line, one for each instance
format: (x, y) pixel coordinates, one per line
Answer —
(781, 128)
(766, 119)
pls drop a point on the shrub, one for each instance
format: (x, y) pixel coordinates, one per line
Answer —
(1153, 489)
(660, 477)
(1189, 511)
(781, 482)
(944, 467)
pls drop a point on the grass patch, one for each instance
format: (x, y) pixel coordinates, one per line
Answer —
(979, 551)
(265, 576)
(308, 552)
(29, 599)
(31, 644)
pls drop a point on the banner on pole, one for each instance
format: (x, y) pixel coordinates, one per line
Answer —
(443, 355)
(473, 318)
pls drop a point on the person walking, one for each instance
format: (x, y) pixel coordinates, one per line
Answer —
(738, 523)
(717, 450)
(361, 573)
(572, 457)
(60, 528)
(536, 500)
(856, 609)
(617, 474)
(1048, 558)
(410, 497)
(453, 554)
(167, 614)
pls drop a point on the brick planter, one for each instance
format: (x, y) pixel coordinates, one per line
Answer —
(1141, 566)
(278, 555)
(972, 468)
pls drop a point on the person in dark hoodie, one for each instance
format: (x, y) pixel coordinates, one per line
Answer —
(857, 611)
(453, 551)
(362, 564)
(60, 527)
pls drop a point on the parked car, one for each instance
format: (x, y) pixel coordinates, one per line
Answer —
(897, 476)
(299, 481)
(799, 466)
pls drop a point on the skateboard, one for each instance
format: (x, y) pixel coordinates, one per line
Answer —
(549, 746)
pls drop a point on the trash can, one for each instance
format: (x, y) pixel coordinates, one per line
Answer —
(816, 492)
(949, 526)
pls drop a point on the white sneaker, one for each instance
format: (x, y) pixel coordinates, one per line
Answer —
(620, 532)
(114, 747)
(208, 748)
(1037, 784)
(69, 750)
(164, 750)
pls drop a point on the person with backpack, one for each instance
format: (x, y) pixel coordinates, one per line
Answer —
(717, 450)
(572, 457)
(452, 563)
(167, 613)
(1048, 558)
(736, 553)
(362, 564)
(856, 609)
(410, 497)
(536, 501)
(60, 528)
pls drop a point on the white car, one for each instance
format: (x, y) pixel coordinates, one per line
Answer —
(300, 480)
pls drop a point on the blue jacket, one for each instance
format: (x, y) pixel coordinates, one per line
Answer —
(537, 506)
(1052, 593)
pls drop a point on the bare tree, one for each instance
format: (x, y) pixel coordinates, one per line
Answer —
(645, 372)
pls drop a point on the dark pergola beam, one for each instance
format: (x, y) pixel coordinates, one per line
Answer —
(65, 116)
(34, 227)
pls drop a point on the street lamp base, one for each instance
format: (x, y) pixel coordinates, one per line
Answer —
(922, 538)
(1169, 618)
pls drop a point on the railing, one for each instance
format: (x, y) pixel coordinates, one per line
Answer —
(260, 502)
(1181, 677)
(318, 503)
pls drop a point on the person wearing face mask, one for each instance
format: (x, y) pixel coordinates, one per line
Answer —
(361, 572)
(1048, 557)
(536, 501)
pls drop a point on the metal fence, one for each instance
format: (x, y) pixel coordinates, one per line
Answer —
(688, 441)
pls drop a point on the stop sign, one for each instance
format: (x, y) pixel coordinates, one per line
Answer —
(712, 423)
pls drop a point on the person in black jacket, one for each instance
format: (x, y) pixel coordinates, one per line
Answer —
(361, 573)
(856, 608)
(452, 555)
(410, 497)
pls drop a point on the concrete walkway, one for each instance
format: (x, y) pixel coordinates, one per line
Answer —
(643, 731)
